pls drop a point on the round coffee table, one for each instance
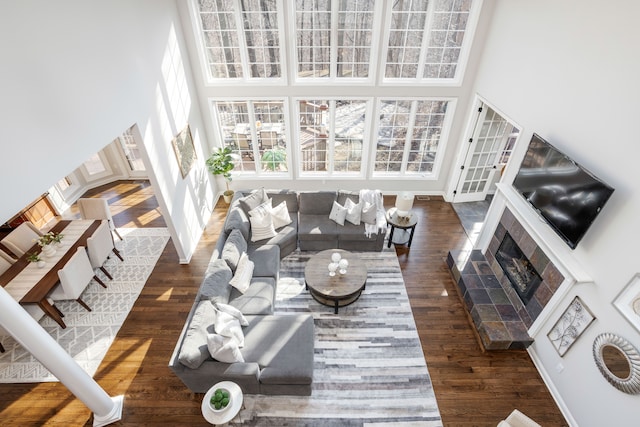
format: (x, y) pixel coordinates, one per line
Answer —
(338, 290)
(231, 411)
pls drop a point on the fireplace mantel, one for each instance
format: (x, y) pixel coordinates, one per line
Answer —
(506, 198)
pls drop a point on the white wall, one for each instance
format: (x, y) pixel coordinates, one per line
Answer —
(569, 71)
(74, 76)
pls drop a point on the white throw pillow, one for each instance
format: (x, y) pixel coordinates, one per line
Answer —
(242, 277)
(262, 209)
(228, 326)
(338, 213)
(368, 213)
(354, 211)
(280, 215)
(224, 349)
(262, 227)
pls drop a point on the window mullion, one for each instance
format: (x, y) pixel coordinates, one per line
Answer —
(333, 41)
(331, 137)
(242, 41)
(426, 40)
(408, 138)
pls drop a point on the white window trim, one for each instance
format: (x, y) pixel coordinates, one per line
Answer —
(97, 176)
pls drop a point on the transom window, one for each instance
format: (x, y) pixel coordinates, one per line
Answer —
(240, 38)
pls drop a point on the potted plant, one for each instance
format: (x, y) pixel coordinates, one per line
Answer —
(34, 257)
(221, 163)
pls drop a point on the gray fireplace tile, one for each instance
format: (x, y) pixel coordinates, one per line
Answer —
(552, 277)
(482, 313)
(498, 296)
(539, 259)
(543, 294)
(471, 281)
(507, 313)
(482, 267)
(491, 282)
(479, 296)
(534, 308)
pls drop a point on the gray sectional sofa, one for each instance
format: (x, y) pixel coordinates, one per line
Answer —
(278, 349)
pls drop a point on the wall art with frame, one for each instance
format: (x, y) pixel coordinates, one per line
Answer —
(628, 301)
(185, 150)
(575, 319)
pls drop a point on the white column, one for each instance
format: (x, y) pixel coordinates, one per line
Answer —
(42, 346)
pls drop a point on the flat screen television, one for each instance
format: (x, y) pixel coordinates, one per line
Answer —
(564, 193)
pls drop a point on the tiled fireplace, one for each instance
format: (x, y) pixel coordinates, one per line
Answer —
(551, 278)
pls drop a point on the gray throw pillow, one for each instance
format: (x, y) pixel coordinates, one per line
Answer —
(237, 220)
(215, 286)
(253, 200)
(194, 348)
(233, 247)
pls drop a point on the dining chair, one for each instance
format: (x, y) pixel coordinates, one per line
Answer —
(100, 246)
(35, 312)
(22, 238)
(97, 208)
(4, 265)
(5, 256)
(74, 278)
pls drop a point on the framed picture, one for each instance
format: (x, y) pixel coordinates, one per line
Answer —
(628, 301)
(575, 319)
(185, 150)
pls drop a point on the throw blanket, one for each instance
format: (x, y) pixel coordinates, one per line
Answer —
(373, 197)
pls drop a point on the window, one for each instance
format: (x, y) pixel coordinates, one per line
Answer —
(426, 38)
(131, 151)
(255, 131)
(331, 135)
(409, 133)
(240, 38)
(334, 38)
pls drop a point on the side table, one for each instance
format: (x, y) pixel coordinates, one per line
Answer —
(231, 411)
(406, 224)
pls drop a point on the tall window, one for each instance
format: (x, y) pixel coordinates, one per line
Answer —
(240, 38)
(331, 135)
(334, 38)
(408, 136)
(255, 131)
(426, 38)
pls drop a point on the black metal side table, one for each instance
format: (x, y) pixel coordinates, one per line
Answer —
(406, 226)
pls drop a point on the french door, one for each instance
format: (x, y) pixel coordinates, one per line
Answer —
(489, 150)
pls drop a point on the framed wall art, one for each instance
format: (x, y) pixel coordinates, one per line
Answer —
(185, 150)
(575, 319)
(628, 301)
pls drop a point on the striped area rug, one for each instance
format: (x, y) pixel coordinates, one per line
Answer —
(369, 365)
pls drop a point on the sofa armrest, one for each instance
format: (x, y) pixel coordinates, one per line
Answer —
(266, 260)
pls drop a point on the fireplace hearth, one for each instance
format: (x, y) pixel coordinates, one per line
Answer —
(517, 268)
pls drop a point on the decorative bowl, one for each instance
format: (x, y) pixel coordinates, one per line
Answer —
(220, 400)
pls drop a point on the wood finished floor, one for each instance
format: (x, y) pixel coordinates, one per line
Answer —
(472, 388)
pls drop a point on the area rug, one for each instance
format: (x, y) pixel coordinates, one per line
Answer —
(369, 369)
(89, 335)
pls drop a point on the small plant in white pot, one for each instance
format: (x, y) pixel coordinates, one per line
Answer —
(221, 162)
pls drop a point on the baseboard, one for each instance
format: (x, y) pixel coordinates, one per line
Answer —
(552, 388)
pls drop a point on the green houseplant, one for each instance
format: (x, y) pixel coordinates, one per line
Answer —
(221, 163)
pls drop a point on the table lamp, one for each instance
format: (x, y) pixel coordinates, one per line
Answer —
(404, 203)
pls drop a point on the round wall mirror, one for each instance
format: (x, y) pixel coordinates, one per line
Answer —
(619, 362)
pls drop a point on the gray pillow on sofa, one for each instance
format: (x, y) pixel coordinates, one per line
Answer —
(237, 220)
(253, 200)
(233, 247)
(194, 348)
(215, 286)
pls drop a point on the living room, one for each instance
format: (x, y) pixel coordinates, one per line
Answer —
(542, 65)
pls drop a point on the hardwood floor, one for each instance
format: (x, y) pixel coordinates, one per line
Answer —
(472, 388)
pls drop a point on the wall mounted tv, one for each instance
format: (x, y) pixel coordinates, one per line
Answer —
(564, 193)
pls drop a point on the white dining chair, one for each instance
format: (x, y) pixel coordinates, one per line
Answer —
(5, 256)
(100, 246)
(97, 208)
(74, 278)
(22, 238)
(4, 265)
(35, 312)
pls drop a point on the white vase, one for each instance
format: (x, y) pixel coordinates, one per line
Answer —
(41, 264)
(48, 250)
